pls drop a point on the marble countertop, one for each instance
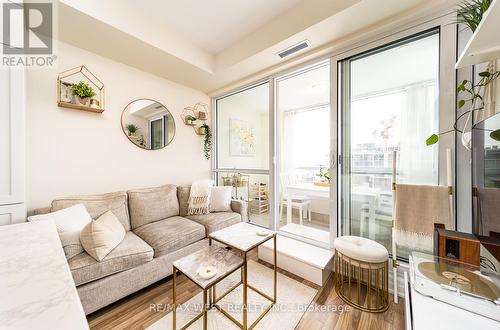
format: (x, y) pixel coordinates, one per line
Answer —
(224, 261)
(242, 236)
(36, 286)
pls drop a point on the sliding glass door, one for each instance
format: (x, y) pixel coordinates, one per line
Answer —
(303, 173)
(389, 100)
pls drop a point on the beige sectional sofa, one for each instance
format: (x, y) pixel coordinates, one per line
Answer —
(158, 231)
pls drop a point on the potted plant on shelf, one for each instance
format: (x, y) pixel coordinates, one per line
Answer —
(132, 129)
(324, 177)
(190, 120)
(207, 139)
(83, 92)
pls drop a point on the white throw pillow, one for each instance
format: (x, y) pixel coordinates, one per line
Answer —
(101, 236)
(69, 223)
(220, 199)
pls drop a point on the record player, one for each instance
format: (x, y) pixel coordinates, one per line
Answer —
(455, 283)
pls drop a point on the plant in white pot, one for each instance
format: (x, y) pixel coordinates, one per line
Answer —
(83, 92)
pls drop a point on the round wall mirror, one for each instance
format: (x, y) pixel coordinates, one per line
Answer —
(148, 124)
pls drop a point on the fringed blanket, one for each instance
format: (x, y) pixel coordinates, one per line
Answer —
(199, 198)
(417, 208)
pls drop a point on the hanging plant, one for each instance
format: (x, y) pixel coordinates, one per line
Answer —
(207, 140)
(474, 96)
(471, 12)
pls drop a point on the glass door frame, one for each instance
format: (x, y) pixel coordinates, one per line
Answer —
(274, 148)
(447, 94)
(333, 200)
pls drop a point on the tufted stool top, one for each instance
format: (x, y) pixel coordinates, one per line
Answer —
(362, 249)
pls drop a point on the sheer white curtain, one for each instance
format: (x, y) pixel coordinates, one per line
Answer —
(306, 139)
(417, 161)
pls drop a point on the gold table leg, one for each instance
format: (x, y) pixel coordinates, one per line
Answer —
(245, 289)
(205, 322)
(173, 299)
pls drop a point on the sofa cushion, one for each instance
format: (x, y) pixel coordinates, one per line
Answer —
(171, 234)
(216, 221)
(183, 197)
(99, 204)
(220, 199)
(69, 223)
(101, 236)
(152, 204)
(130, 253)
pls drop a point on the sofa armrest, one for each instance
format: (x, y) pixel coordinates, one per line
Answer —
(38, 211)
(240, 207)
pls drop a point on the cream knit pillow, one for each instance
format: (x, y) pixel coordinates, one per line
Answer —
(102, 235)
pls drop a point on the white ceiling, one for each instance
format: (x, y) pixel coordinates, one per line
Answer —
(210, 45)
(212, 25)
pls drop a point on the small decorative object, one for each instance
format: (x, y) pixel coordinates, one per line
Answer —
(202, 115)
(83, 92)
(94, 103)
(190, 120)
(207, 272)
(197, 117)
(66, 94)
(132, 129)
(80, 89)
(262, 232)
(201, 130)
(241, 138)
(324, 177)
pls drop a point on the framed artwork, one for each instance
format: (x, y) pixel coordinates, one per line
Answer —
(241, 138)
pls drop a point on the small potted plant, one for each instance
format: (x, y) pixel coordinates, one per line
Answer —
(132, 129)
(83, 92)
(324, 177)
(190, 120)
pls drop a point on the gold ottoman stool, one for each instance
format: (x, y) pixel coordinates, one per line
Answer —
(361, 273)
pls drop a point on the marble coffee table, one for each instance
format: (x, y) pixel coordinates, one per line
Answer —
(222, 261)
(243, 238)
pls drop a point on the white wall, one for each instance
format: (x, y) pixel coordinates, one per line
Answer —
(75, 152)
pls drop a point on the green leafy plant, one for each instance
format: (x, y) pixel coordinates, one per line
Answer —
(131, 128)
(189, 117)
(473, 95)
(471, 12)
(207, 141)
(82, 90)
(324, 174)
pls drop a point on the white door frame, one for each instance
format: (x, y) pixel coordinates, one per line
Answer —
(447, 83)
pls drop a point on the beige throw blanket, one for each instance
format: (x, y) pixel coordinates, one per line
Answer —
(416, 210)
(199, 197)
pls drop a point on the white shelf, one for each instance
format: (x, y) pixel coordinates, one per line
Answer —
(484, 45)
